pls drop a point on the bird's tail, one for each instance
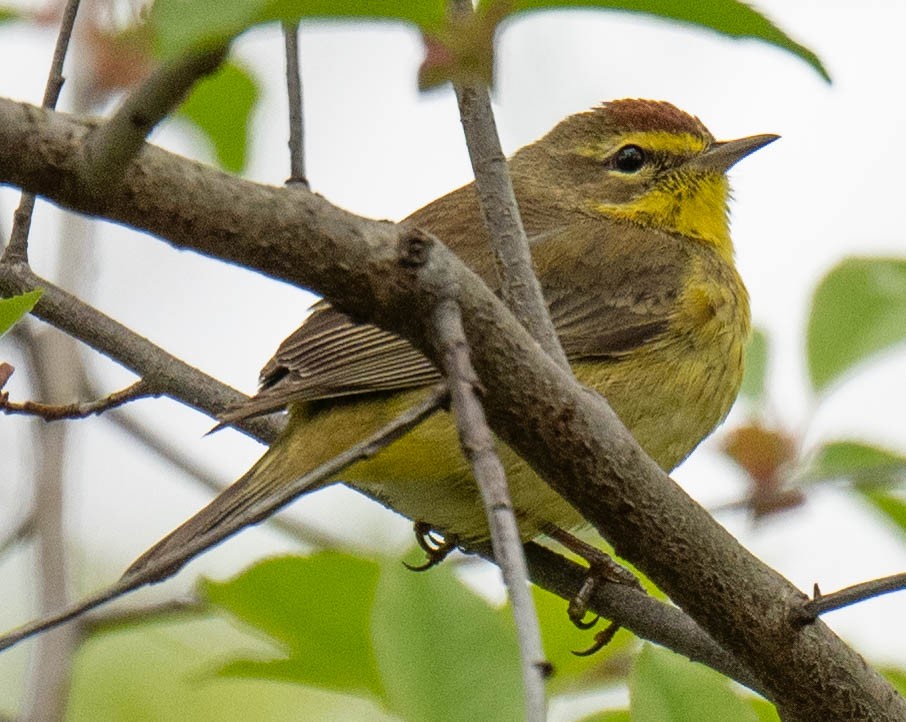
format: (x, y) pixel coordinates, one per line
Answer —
(247, 501)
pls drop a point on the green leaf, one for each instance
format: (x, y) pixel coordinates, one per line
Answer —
(665, 687)
(858, 310)
(9, 14)
(319, 609)
(611, 715)
(897, 677)
(179, 25)
(764, 710)
(160, 671)
(220, 106)
(892, 506)
(756, 366)
(732, 18)
(861, 463)
(15, 307)
(444, 653)
(182, 24)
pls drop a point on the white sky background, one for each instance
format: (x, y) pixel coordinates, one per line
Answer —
(832, 186)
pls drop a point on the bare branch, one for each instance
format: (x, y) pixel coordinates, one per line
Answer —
(294, 96)
(479, 447)
(519, 287)
(114, 143)
(51, 357)
(141, 389)
(17, 249)
(20, 531)
(823, 603)
(111, 620)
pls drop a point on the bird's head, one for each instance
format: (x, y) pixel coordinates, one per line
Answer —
(642, 161)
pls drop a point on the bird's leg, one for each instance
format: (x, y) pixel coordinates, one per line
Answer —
(436, 548)
(601, 567)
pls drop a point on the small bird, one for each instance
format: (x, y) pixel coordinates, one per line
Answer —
(626, 210)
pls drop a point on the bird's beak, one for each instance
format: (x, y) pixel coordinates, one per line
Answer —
(724, 154)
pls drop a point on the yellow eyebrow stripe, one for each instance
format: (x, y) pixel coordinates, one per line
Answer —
(653, 140)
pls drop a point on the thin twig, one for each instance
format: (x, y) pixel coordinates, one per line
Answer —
(17, 249)
(519, 287)
(823, 603)
(51, 358)
(113, 144)
(110, 620)
(166, 565)
(479, 446)
(47, 686)
(19, 532)
(80, 409)
(294, 96)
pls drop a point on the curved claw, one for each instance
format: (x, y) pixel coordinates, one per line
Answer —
(436, 548)
(585, 625)
(602, 639)
(431, 562)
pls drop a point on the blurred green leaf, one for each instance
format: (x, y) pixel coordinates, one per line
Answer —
(319, 608)
(764, 710)
(611, 715)
(8, 14)
(897, 677)
(159, 672)
(728, 17)
(858, 310)
(443, 652)
(181, 24)
(665, 687)
(220, 106)
(756, 366)
(861, 463)
(15, 307)
(892, 506)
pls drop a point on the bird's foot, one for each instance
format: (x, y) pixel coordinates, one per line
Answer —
(436, 547)
(601, 568)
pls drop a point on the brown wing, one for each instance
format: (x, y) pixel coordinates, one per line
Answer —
(610, 288)
(331, 355)
(601, 308)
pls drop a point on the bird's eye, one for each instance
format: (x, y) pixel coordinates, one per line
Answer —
(629, 159)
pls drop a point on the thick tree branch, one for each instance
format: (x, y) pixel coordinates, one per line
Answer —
(567, 434)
